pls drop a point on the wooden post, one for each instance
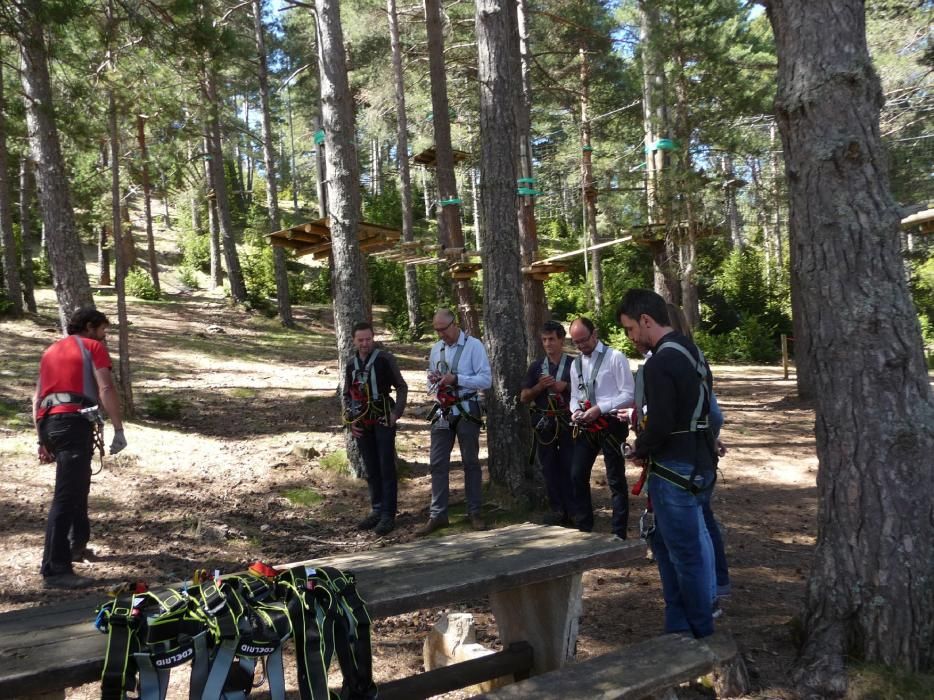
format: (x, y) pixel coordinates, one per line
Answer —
(785, 355)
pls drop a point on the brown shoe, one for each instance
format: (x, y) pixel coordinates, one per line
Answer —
(476, 522)
(433, 524)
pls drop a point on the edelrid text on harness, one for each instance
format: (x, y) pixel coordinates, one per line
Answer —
(225, 627)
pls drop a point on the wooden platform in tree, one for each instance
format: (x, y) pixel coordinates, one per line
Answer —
(464, 270)
(314, 238)
(429, 159)
(543, 269)
(921, 222)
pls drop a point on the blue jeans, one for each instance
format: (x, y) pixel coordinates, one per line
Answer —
(679, 547)
(378, 449)
(555, 458)
(721, 568)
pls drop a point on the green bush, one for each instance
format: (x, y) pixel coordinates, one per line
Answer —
(42, 271)
(188, 276)
(196, 250)
(752, 342)
(161, 407)
(139, 284)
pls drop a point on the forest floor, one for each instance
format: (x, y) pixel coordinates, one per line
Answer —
(229, 478)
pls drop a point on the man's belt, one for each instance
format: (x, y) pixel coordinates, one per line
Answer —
(673, 477)
(62, 398)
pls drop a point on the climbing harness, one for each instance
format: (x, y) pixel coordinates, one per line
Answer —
(226, 627)
(366, 406)
(446, 397)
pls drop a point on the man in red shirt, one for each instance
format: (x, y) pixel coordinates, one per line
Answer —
(74, 374)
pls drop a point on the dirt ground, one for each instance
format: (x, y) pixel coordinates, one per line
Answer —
(245, 471)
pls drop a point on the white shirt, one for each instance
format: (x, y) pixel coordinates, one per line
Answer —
(473, 368)
(614, 383)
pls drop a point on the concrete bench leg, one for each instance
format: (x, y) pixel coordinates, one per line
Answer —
(546, 615)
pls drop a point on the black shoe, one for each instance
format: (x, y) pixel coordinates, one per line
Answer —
(369, 522)
(385, 526)
(67, 581)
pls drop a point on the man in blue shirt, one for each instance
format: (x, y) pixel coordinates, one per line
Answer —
(458, 370)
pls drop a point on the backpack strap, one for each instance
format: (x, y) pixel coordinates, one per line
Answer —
(589, 390)
(703, 395)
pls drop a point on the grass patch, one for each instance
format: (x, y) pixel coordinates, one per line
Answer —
(303, 497)
(12, 416)
(336, 462)
(873, 682)
(162, 407)
(242, 392)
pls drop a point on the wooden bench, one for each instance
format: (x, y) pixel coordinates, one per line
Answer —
(531, 574)
(638, 671)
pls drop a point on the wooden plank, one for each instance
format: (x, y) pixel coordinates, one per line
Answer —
(635, 671)
(515, 660)
(394, 580)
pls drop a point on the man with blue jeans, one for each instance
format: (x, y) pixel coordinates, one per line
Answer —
(675, 443)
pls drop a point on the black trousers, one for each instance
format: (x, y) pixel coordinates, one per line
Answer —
(586, 448)
(378, 449)
(69, 437)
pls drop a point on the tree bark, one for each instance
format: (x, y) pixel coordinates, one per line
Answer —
(348, 270)
(405, 180)
(70, 277)
(498, 68)
(10, 253)
(870, 594)
(147, 202)
(214, 228)
(26, 186)
(533, 290)
(283, 304)
(588, 190)
(219, 185)
(124, 383)
(448, 204)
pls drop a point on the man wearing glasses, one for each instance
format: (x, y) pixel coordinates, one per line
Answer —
(458, 369)
(601, 384)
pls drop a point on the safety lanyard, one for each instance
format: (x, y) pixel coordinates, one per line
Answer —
(368, 371)
(594, 370)
(546, 369)
(442, 365)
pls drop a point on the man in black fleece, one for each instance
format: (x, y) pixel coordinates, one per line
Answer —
(674, 443)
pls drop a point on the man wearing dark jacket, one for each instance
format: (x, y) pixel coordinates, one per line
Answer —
(675, 443)
(370, 375)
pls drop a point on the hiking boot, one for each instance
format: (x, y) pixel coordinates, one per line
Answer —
(369, 522)
(476, 522)
(86, 555)
(385, 526)
(435, 523)
(67, 581)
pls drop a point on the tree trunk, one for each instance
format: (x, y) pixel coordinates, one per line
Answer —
(405, 180)
(348, 270)
(449, 203)
(124, 383)
(147, 202)
(214, 228)
(533, 290)
(498, 70)
(870, 594)
(283, 304)
(165, 201)
(588, 190)
(655, 122)
(219, 185)
(10, 253)
(103, 257)
(732, 211)
(25, 223)
(72, 288)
